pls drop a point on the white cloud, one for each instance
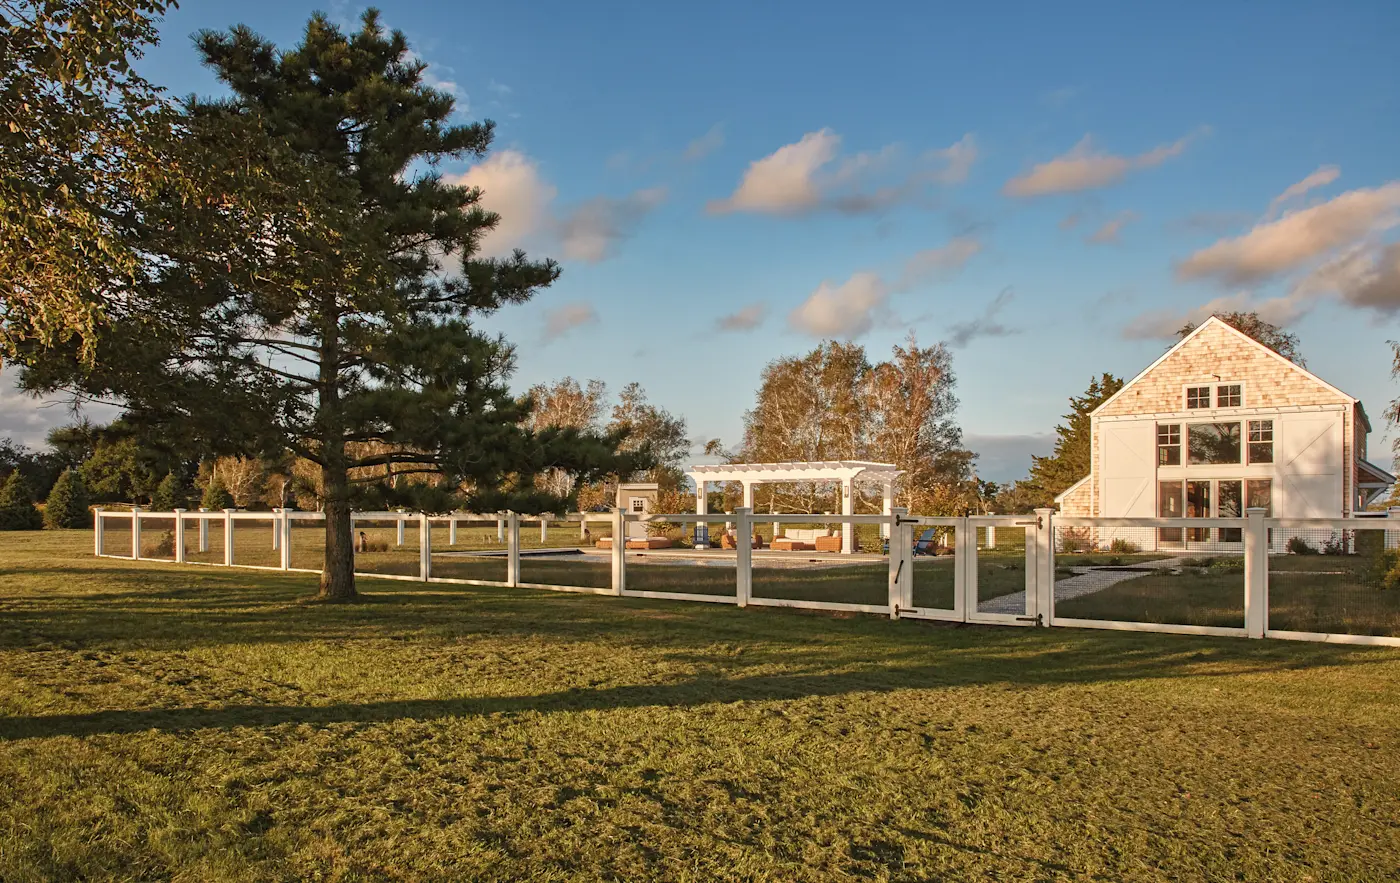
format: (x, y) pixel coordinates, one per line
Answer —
(511, 185)
(1321, 178)
(27, 420)
(705, 145)
(852, 308)
(1367, 275)
(439, 77)
(1164, 324)
(746, 319)
(1110, 230)
(1297, 238)
(847, 310)
(933, 263)
(592, 230)
(565, 318)
(795, 178)
(1083, 168)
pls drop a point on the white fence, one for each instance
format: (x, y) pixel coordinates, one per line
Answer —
(1314, 579)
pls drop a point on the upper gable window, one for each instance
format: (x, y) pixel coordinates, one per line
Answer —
(1197, 397)
(1229, 395)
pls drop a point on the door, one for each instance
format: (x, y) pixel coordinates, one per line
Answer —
(1128, 467)
(1000, 582)
(1309, 466)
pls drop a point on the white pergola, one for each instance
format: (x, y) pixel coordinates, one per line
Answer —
(846, 472)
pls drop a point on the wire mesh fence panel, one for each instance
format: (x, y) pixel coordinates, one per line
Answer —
(116, 536)
(308, 543)
(587, 569)
(998, 537)
(158, 538)
(1167, 576)
(253, 540)
(806, 563)
(469, 536)
(935, 582)
(485, 565)
(211, 551)
(1001, 574)
(386, 546)
(1344, 582)
(694, 573)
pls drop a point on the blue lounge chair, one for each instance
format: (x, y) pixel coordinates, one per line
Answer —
(925, 544)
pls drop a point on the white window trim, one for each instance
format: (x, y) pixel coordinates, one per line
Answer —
(1214, 386)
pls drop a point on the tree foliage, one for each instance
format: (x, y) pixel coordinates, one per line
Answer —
(1272, 336)
(68, 505)
(1071, 459)
(17, 509)
(834, 404)
(216, 496)
(172, 493)
(330, 309)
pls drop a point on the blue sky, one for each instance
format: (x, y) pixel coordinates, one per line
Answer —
(1050, 187)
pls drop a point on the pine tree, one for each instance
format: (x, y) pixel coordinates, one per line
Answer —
(68, 503)
(1070, 461)
(344, 329)
(17, 509)
(172, 493)
(216, 496)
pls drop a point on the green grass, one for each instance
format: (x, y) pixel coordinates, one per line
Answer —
(205, 724)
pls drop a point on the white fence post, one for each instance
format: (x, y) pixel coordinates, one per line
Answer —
(991, 536)
(228, 537)
(136, 533)
(898, 574)
(97, 531)
(512, 550)
(452, 530)
(500, 529)
(1044, 609)
(179, 536)
(544, 529)
(203, 531)
(1256, 573)
(284, 526)
(276, 530)
(743, 570)
(398, 521)
(619, 551)
(582, 527)
(425, 547)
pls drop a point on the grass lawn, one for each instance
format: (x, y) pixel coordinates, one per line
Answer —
(205, 724)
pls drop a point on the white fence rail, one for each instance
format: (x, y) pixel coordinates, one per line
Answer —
(1335, 580)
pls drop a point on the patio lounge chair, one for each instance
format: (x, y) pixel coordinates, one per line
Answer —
(925, 544)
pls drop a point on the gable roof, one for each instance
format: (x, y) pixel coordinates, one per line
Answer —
(1208, 323)
(1060, 497)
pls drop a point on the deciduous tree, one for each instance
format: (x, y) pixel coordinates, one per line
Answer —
(1275, 338)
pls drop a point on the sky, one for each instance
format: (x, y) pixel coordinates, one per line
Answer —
(1051, 189)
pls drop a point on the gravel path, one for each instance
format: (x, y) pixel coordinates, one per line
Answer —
(1088, 581)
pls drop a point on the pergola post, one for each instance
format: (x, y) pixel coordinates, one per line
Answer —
(887, 508)
(702, 507)
(848, 503)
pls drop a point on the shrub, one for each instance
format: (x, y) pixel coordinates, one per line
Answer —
(1124, 546)
(1227, 565)
(1074, 539)
(216, 496)
(164, 547)
(1335, 544)
(1299, 546)
(172, 493)
(68, 503)
(17, 509)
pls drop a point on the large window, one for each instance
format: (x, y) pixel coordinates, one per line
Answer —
(1210, 443)
(1197, 397)
(1168, 444)
(1198, 506)
(1261, 441)
(1228, 505)
(1169, 506)
(1229, 395)
(1259, 494)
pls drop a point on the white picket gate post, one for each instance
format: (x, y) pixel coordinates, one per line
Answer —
(179, 536)
(619, 551)
(1256, 573)
(1044, 609)
(97, 531)
(425, 547)
(228, 537)
(203, 531)
(284, 527)
(513, 550)
(743, 542)
(136, 533)
(898, 572)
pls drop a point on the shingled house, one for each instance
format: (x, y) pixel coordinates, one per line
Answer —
(1221, 423)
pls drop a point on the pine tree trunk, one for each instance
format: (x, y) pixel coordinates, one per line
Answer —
(338, 572)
